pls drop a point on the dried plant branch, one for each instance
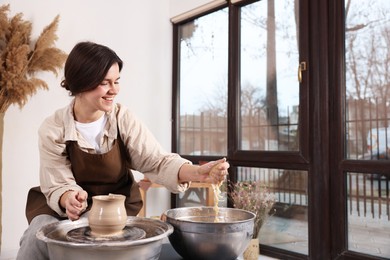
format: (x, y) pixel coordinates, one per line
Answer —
(19, 61)
(4, 27)
(255, 197)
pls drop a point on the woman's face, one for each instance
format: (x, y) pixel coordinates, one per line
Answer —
(102, 97)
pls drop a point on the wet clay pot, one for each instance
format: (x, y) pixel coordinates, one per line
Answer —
(107, 216)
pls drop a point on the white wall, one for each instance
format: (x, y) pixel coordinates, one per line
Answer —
(141, 33)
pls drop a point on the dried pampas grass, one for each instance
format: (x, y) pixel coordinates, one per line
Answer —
(20, 59)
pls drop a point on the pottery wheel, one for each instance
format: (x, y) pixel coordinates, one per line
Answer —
(83, 235)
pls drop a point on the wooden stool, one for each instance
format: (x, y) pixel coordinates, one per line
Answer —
(145, 184)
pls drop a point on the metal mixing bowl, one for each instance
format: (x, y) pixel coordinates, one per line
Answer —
(199, 234)
(149, 247)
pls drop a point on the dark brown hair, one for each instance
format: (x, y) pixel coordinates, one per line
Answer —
(87, 65)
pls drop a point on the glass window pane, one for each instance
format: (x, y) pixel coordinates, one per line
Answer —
(287, 226)
(367, 50)
(269, 84)
(368, 214)
(203, 85)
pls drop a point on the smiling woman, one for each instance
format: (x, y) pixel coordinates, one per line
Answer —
(100, 99)
(91, 147)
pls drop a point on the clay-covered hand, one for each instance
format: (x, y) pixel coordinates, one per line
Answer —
(214, 172)
(75, 203)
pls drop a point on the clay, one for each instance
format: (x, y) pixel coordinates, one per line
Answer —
(107, 216)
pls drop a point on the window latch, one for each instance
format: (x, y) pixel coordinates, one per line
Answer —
(301, 67)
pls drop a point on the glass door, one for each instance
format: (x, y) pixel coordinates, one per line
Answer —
(268, 92)
(366, 127)
(241, 77)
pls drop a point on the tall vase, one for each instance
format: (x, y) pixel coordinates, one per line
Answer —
(107, 216)
(252, 252)
(1, 171)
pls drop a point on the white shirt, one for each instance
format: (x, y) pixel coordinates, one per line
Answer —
(93, 132)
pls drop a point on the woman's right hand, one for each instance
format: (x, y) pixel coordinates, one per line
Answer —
(214, 172)
(74, 202)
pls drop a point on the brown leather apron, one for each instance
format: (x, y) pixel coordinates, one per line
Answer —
(98, 174)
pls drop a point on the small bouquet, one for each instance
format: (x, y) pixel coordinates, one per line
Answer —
(255, 197)
(21, 58)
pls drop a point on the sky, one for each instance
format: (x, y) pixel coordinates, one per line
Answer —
(204, 58)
